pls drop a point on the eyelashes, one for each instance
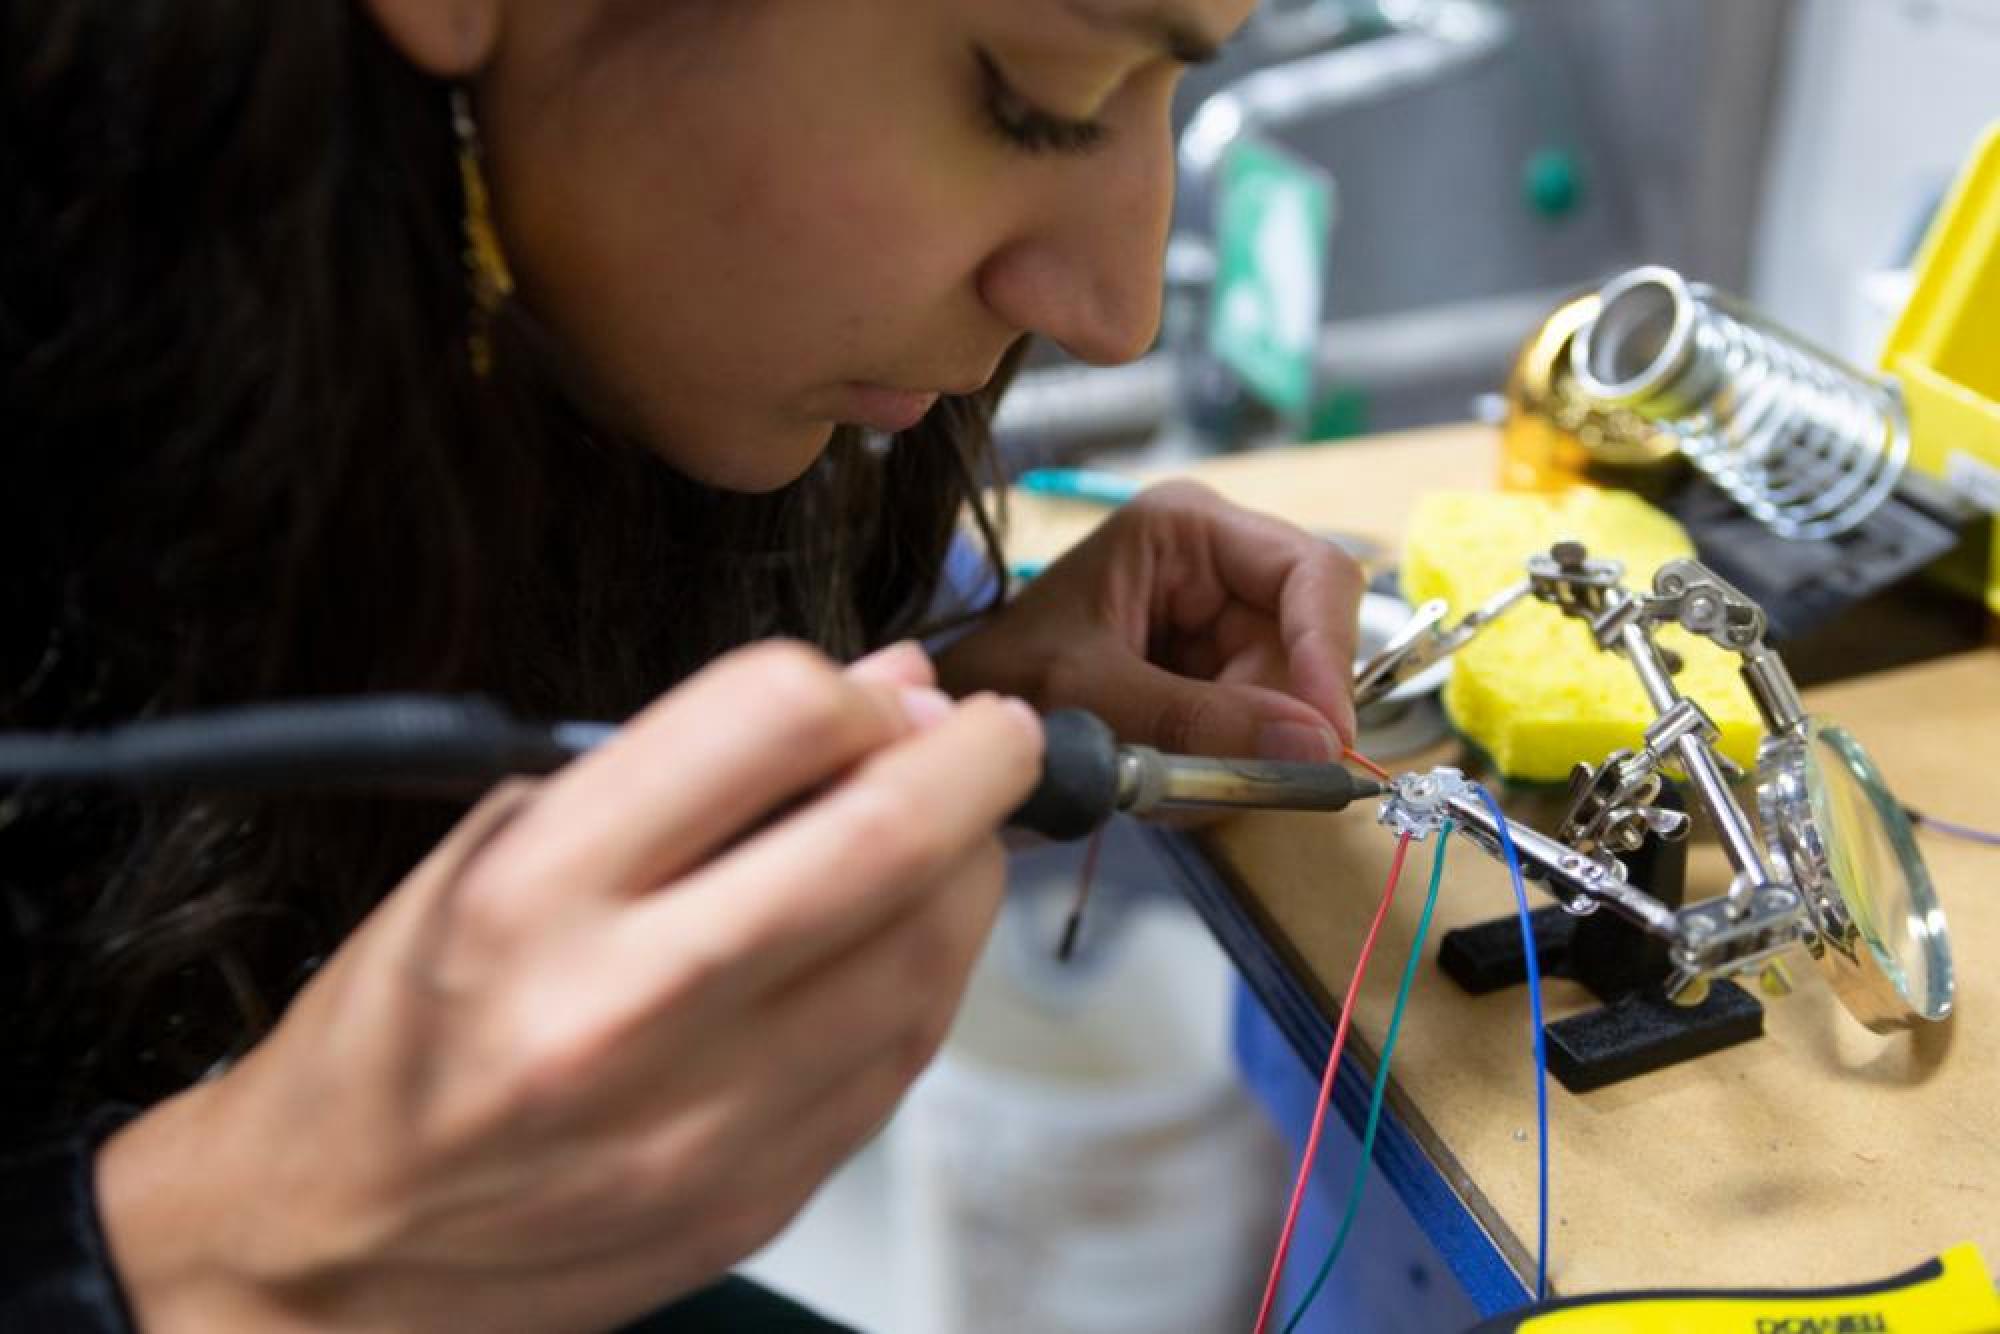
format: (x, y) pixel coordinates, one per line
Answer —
(1025, 126)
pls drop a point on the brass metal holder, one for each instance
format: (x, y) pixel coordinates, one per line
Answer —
(1555, 435)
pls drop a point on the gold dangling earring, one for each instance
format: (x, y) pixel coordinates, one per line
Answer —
(486, 273)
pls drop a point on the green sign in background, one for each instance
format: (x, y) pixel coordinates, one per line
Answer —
(1274, 223)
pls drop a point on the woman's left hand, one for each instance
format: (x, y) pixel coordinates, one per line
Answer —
(1186, 623)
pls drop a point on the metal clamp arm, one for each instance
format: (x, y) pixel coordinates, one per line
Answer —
(1713, 938)
(1425, 640)
(1419, 804)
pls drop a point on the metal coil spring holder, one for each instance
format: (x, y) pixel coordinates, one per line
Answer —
(1807, 444)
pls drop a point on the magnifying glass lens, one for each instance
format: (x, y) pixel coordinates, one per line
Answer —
(1872, 858)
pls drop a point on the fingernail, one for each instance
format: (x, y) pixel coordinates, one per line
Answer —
(904, 660)
(1298, 742)
(925, 707)
(1021, 709)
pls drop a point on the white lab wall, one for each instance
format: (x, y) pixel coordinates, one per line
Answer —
(1879, 102)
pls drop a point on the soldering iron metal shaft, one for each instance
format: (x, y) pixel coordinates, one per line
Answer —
(1150, 781)
(1087, 777)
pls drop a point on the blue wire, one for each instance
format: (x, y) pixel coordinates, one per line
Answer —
(1541, 1051)
(1381, 1084)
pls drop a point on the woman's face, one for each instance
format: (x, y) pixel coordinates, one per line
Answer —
(749, 220)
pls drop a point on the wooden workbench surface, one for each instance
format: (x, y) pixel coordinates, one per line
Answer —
(1820, 1153)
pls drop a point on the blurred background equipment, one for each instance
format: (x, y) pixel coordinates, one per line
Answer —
(1490, 168)
(1490, 159)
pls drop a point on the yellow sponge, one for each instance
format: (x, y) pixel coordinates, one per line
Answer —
(1532, 690)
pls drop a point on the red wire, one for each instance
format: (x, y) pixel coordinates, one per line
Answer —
(1326, 1087)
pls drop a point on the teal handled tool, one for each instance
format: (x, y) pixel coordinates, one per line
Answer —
(1098, 488)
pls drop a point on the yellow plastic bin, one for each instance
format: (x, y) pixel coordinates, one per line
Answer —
(1945, 352)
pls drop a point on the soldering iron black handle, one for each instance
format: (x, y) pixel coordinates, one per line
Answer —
(1079, 787)
(445, 745)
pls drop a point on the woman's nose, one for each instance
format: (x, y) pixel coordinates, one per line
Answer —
(1084, 268)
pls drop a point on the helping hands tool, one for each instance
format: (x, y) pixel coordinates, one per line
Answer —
(1831, 863)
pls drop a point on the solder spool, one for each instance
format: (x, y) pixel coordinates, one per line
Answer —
(1804, 442)
(1554, 436)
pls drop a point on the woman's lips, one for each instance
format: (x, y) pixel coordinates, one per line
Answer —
(882, 408)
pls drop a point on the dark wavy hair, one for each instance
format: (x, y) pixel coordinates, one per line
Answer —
(246, 459)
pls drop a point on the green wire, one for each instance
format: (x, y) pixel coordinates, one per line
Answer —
(1381, 1084)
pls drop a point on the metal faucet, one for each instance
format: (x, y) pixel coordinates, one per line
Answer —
(1416, 42)
(1404, 44)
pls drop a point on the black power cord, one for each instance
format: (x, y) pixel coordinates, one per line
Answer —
(409, 743)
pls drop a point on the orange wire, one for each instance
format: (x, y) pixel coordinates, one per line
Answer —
(1356, 757)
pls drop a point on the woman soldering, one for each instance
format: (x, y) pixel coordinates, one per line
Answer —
(614, 359)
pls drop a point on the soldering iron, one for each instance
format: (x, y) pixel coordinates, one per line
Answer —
(452, 745)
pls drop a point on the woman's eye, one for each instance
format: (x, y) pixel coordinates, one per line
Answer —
(1026, 126)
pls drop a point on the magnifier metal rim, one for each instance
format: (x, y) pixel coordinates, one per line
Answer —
(1853, 964)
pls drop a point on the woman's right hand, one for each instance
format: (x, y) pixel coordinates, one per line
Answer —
(610, 1035)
